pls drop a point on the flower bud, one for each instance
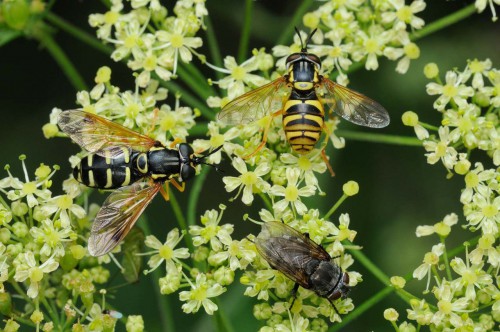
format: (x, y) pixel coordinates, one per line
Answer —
(350, 188)
(431, 70)
(135, 323)
(398, 282)
(391, 315)
(5, 304)
(409, 118)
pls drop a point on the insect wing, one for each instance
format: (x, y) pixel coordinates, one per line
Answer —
(289, 251)
(254, 104)
(118, 215)
(96, 134)
(352, 105)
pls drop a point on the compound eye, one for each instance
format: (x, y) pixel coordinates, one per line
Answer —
(187, 172)
(315, 59)
(185, 151)
(292, 58)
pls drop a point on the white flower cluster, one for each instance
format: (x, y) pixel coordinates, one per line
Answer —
(466, 295)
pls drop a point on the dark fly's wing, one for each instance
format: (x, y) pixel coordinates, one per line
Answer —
(118, 215)
(254, 104)
(351, 105)
(97, 134)
(288, 251)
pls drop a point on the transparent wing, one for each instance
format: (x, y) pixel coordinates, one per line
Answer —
(96, 134)
(351, 105)
(288, 251)
(255, 104)
(118, 215)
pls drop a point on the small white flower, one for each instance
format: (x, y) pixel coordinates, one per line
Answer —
(200, 294)
(453, 90)
(291, 193)
(165, 252)
(30, 270)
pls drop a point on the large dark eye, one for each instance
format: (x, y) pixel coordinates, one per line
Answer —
(187, 172)
(185, 150)
(292, 57)
(314, 58)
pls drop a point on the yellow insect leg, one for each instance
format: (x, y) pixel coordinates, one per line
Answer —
(323, 152)
(264, 136)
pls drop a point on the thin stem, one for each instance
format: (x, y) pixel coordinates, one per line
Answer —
(194, 195)
(195, 72)
(62, 60)
(245, 33)
(164, 307)
(221, 321)
(444, 22)
(77, 33)
(181, 220)
(199, 129)
(428, 126)
(363, 307)
(201, 87)
(368, 264)
(213, 46)
(446, 261)
(266, 201)
(379, 138)
(296, 20)
(332, 210)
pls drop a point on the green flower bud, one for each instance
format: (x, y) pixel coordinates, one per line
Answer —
(16, 13)
(391, 315)
(350, 188)
(36, 317)
(99, 274)
(431, 70)
(68, 262)
(224, 276)
(462, 167)
(19, 208)
(48, 327)
(87, 299)
(108, 323)
(200, 254)
(409, 118)
(50, 130)
(481, 99)
(310, 20)
(262, 311)
(398, 282)
(103, 75)
(5, 303)
(170, 283)
(42, 171)
(12, 249)
(20, 229)
(319, 324)
(5, 216)
(135, 323)
(4, 235)
(77, 251)
(78, 328)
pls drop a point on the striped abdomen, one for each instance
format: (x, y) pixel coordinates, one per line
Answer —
(104, 172)
(303, 122)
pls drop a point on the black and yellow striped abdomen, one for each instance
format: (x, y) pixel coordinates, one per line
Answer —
(303, 120)
(106, 172)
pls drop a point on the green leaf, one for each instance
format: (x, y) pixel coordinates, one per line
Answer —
(7, 35)
(131, 263)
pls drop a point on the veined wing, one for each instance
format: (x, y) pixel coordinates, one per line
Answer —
(118, 215)
(97, 134)
(288, 251)
(351, 105)
(254, 104)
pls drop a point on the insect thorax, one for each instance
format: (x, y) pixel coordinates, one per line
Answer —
(163, 163)
(325, 279)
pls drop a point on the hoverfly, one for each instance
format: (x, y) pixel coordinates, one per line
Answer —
(302, 260)
(118, 159)
(301, 96)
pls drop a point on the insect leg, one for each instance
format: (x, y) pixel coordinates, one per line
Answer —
(334, 307)
(264, 136)
(294, 294)
(155, 120)
(164, 192)
(323, 152)
(175, 142)
(177, 185)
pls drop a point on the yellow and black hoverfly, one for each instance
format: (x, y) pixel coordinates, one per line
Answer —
(302, 260)
(118, 159)
(301, 96)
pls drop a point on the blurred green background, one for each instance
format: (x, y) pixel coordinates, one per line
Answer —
(398, 189)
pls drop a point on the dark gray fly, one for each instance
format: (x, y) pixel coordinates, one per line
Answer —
(302, 260)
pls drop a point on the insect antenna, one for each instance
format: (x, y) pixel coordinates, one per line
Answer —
(201, 160)
(310, 36)
(302, 48)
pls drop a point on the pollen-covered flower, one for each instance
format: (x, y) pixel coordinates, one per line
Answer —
(441, 150)
(212, 232)
(29, 269)
(52, 237)
(200, 294)
(165, 252)
(453, 90)
(249, 181)
(450, 307)
(291, 193)
(471, 276)
(64, 206)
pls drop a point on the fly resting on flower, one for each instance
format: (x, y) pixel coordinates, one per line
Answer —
(301, 97)
(119, 158)
(302, 260)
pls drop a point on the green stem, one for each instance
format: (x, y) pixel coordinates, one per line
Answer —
(181, 220)
(201, 87)
(368, 264)
(428, 126)
(332, 210)
(62, 60)
(266, 201)
(77, 33)
(166, 317)
(444, 22)
(194, 195)
(245, 33)
(446, 261)
(213, 46)
(193, 71)
(359, 310)
(199, 129)
(379, 138)
(221, 322)
(51, 311)
(296, 20)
